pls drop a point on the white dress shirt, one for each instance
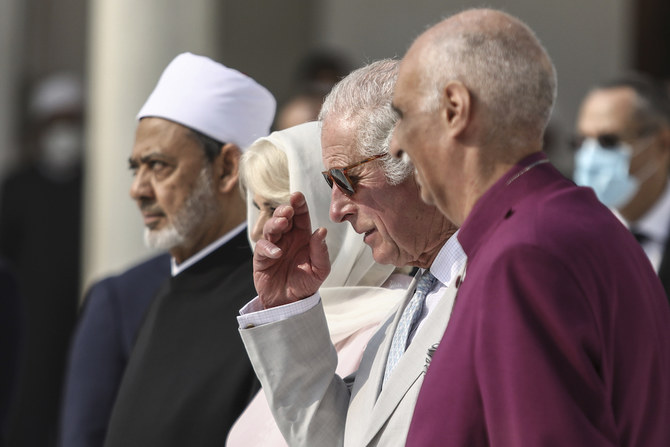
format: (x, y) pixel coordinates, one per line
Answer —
(654, 225)
(448, 263)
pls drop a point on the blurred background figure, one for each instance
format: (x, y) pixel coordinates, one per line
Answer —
(322, 69)
(301, 108)
(315, 75)
(623, 153)
(9, 342)
(40, 214)
(556, 143)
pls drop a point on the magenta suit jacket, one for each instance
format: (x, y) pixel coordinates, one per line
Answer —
(560, 334)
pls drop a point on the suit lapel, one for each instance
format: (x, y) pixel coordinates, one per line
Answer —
(371, 373)
(412, 364)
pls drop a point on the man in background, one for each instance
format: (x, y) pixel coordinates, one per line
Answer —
(623, 153)
(188, 377)
(40, 228)
(10, 335)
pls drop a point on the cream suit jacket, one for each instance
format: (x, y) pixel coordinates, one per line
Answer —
(295, 362)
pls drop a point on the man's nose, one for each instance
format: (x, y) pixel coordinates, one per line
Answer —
(340, 205)
(141, 186)
(394, 147)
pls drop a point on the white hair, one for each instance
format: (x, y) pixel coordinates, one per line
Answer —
(264, 171)
(364, 99)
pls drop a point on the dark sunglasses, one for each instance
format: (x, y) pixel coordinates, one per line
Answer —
(606, 141)
(610, 140)
(341, 179)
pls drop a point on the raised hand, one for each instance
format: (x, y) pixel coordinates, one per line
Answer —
(290, 263)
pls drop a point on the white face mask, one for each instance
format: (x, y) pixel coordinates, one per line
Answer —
(607, 171)
(61, 145)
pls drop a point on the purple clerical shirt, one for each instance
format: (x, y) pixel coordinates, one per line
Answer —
(560, 334)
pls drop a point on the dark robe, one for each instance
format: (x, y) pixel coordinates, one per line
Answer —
(189, 377)
(40, 223)
(112, 315)
(10, 334)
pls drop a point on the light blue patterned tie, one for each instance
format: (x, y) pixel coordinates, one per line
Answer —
(407, 321)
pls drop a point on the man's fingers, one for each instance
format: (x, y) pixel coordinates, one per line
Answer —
(297, 201)
(286, 217)
(275, 227)
(266, 249)
(318, 251)
(301, 217)
(286, 211)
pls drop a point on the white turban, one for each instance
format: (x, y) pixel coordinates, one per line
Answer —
(215, 100)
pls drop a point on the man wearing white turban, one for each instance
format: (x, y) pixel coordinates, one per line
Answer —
(188, 377)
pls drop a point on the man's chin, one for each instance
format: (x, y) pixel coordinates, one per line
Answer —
(382, 257)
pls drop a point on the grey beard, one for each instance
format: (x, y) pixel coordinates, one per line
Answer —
(198, 207)
(163, 239)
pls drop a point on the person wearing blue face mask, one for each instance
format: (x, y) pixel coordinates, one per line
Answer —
(623, 153)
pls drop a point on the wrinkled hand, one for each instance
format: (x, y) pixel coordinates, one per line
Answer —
(290, 263)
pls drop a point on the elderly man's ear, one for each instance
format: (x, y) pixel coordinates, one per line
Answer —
(227, 167)
(457, 106)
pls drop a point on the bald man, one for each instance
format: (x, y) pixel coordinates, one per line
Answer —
(559, 334)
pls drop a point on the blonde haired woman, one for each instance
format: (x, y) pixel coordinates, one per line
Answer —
(354, 301)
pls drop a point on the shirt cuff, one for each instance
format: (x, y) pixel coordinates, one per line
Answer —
(253, 314)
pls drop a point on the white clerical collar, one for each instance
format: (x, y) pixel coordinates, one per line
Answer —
(178, 268)
(449, 260)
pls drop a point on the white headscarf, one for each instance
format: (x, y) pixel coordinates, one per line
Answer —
(351, 294)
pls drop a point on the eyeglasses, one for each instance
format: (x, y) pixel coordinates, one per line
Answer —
(341, 179)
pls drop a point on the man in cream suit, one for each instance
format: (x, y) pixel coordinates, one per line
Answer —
(284, 328)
